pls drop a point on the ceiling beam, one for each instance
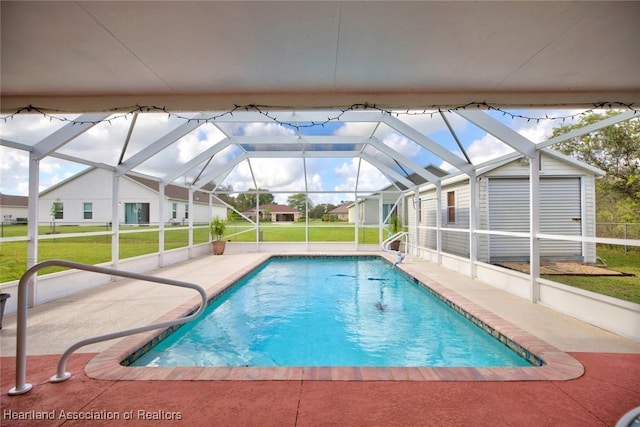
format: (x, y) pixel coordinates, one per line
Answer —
(17, 145)
(66, 134)
(302, 154)
(379, 145)
(622, 117)
(78, 160)
(504, 133)
(387, 171)
(305, 139)
(202, 157)
(427, 143)
(212, 175)
(160, 144)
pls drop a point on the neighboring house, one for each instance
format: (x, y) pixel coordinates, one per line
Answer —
(13, 209)
(274, 213)
(341, 212)
(567, 207)
(85, 198)
(369, 207)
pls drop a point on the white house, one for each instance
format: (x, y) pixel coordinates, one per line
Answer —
(567, 207)
(86, 198)
(13, 209)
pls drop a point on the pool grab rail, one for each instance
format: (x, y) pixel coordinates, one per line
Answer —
(399, 235)
(21, 335)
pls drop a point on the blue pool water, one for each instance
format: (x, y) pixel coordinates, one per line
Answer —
(329, 311)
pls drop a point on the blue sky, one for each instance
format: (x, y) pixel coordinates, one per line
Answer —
(277, 175)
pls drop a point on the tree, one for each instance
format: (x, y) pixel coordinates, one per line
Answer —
(299, 202)
(56, 213)
(616, 150)
(247, 200)
(319, 210)
(226, 197)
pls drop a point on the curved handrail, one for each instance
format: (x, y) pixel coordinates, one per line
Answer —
(61, 375)
(398, 236)
(385, 244)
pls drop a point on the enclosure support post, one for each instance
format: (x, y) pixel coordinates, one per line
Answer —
(418, 211)
(115, 221)
(381, 217)
(356, 220)
(534, 228)
(439, 223)
(190, 222)
(161, 225)
(473, 223)
(32, 227)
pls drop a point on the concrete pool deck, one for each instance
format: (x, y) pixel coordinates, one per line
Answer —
(599, 397)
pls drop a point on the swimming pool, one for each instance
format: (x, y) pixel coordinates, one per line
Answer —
(333, 311)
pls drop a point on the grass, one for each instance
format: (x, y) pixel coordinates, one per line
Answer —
(626, 288)
(97, 249)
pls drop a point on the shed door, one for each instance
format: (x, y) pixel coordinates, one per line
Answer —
(560, 213)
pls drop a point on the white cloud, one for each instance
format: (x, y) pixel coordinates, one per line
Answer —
(370, 178)
(430, 123)
(14, 171)
(401, 144)
(355, 129)
(539, 131)
(483, 149)
(266, 129)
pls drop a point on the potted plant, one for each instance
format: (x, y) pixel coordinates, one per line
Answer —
(216, 228)
(395, 226)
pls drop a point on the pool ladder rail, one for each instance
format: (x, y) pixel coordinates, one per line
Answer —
(21, 335)
(395, 237)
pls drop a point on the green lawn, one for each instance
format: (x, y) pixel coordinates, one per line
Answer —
(625, 288)
(97, 249)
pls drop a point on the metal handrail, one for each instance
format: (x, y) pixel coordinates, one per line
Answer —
(21, 337)
(385, 244)
(398, 236)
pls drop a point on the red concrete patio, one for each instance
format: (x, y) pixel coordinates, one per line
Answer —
(600, 397)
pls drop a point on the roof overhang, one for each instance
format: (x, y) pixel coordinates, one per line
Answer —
(212, 55)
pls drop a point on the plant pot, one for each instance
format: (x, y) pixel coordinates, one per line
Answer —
(218, 247)
(395, 245)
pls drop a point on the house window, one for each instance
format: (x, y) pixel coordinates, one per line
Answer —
(58, 210)
(174, 211)
(451, 207)
(87, 209)
(386, 209)
(186, 211)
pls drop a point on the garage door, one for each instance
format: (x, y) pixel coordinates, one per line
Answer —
(560, 213)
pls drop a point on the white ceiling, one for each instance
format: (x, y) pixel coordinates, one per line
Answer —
(209, 55)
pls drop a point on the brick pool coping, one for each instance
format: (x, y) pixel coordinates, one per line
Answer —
(557, 365)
